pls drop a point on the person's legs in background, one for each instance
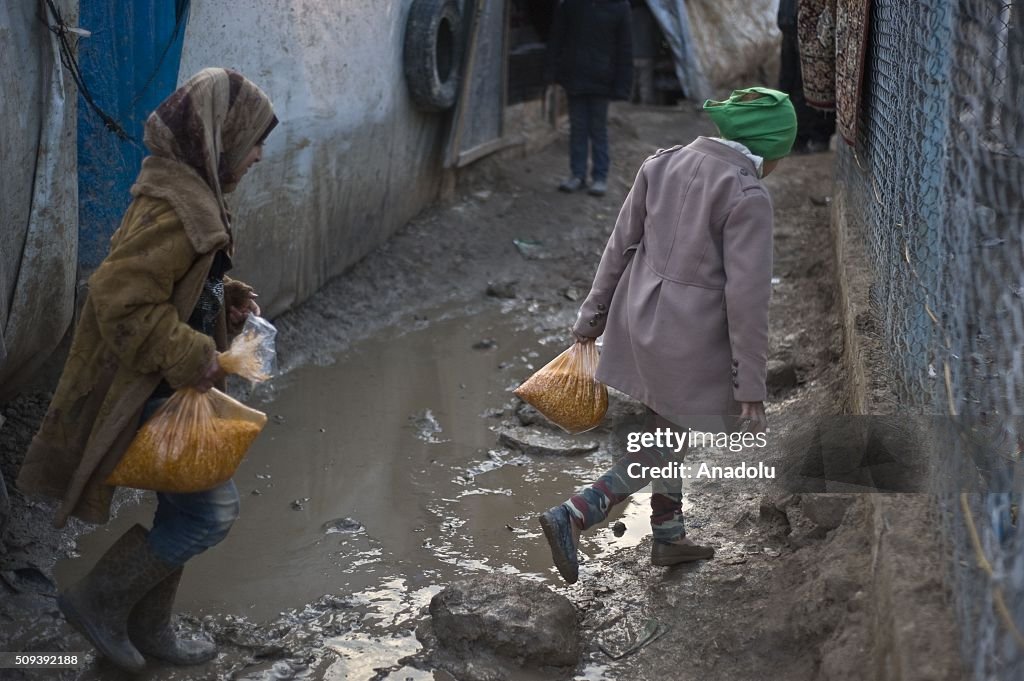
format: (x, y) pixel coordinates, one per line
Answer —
(598, 129)
(578, 134)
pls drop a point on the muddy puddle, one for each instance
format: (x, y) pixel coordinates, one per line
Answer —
(378, 480)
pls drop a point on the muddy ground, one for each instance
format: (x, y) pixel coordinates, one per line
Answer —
(381, 477)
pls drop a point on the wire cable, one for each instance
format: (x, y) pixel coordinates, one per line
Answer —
(67, 58)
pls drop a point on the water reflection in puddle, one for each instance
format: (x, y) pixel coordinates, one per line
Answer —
(360, 658)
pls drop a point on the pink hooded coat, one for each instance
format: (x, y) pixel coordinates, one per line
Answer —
(682, 291)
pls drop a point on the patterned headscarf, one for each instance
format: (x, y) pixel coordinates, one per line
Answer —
(210, 124)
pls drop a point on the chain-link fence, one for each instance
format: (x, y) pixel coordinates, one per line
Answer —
(934, 187)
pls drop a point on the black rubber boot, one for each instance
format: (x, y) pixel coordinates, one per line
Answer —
(150, 629)
(99, 605)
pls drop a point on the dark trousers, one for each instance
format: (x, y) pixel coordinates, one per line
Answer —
(588, 126)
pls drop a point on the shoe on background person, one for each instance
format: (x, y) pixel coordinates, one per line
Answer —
(572, 184)
(598, 188)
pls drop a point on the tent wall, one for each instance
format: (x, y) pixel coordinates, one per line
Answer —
(38, 191)
(351, 160)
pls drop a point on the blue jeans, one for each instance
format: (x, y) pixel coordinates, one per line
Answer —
(185, 525)
(588, 126)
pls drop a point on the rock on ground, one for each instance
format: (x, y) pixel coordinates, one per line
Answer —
(502, 289)
(497, 618)
(781, 375)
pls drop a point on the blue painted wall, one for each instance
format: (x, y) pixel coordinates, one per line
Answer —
(130, 64)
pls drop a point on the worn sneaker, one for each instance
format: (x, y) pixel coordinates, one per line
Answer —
(598, 188)
(665, 554)
(572, 184)
(562, 537)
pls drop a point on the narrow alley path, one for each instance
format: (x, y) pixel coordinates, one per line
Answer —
(380, 476)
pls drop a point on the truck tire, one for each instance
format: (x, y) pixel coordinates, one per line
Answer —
(432, 55)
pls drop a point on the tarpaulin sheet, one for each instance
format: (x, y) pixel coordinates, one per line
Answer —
(674, 21)
(719, 44)
(737, 41)
(38, 193)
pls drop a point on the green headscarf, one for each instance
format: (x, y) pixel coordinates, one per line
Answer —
(766, 125)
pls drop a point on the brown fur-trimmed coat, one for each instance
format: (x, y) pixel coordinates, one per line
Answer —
(132, 333)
